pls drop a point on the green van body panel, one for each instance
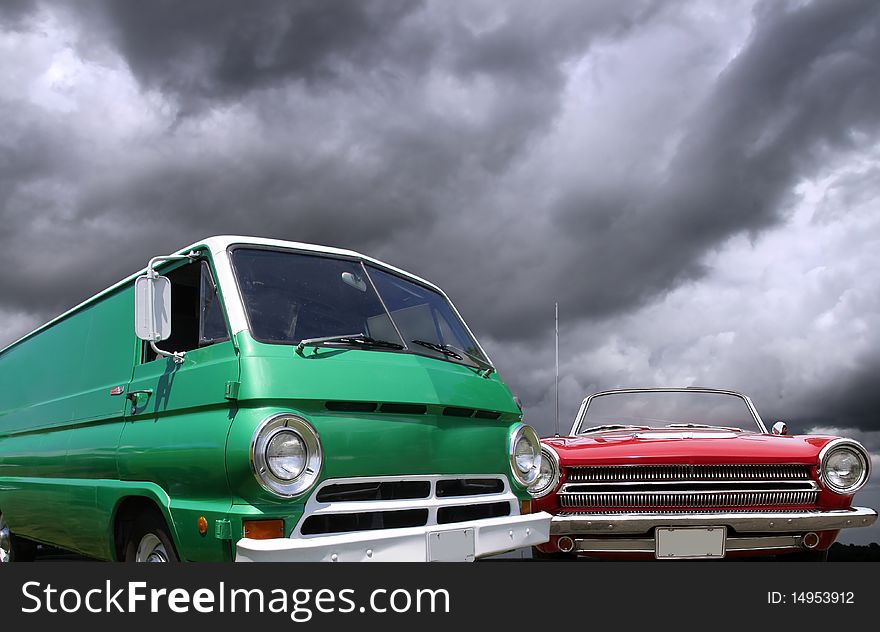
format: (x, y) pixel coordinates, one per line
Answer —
(71, 452)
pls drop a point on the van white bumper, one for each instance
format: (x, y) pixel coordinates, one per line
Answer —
(459, 542)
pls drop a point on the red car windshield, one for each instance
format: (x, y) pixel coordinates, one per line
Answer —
(665, 409)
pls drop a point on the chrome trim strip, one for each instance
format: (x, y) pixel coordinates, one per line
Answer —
(744, 522)
(777, 542)
(647, 545)
(385, 306)
(569, 488)
(709, 472)
(690, 499)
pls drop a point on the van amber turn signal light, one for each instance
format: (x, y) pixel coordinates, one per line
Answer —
(525, 507)
(263, 529)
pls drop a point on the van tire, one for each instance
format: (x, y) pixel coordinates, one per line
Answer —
(13, 548)
(149, 541)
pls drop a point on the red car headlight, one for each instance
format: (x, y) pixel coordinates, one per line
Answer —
(844, 466)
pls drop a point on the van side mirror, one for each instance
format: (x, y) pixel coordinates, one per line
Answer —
(152, 308)
(780, 428)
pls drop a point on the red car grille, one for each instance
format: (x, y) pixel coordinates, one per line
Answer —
(629, 473)
(685, 486)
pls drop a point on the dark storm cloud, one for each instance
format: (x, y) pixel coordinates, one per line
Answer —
(13, 13)
(850, 401)
(225, 48)
(29, 160)
(806, 83)
(403, 163)
(410, 130)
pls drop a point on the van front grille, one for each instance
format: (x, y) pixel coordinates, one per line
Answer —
(366, 521)
(463, 513)
(468, 487)
(365, 504)
(375, 490)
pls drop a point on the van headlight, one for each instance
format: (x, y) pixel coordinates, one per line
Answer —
(525, 454)
(286, 455)
(844, 466)
(548, 473)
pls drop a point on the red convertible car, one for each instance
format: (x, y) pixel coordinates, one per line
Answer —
(673, 473)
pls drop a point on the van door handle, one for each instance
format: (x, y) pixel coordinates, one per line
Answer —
(138, 398)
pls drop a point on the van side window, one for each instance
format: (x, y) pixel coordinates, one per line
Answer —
(212, 326)
(196, 314)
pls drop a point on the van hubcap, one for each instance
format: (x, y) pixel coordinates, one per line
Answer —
(151, 549)
(5, 541)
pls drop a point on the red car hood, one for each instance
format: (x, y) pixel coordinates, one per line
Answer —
(686, 446)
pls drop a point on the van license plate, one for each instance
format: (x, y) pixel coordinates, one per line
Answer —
(456, 545)
(689, 542)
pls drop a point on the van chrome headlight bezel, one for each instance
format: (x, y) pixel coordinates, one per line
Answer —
(856, 448)
(268, 429)
(518, 432)
(549, 456)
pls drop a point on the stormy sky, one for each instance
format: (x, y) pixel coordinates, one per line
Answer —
(693, 182)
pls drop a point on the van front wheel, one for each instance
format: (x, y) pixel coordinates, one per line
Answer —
(12, 548)
(149, 542)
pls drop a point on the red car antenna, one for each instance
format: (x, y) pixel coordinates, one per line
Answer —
(557, 369)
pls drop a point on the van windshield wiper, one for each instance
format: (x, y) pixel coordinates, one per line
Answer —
(450, 351)
(444, 349)
(477, 360)
(361, 340)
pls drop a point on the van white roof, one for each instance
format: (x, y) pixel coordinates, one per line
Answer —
(221, 243)
(218, 245)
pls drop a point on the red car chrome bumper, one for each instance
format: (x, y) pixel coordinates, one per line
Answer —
(741, 522)
(634, 533)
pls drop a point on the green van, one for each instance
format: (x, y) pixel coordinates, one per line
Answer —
(261, 400)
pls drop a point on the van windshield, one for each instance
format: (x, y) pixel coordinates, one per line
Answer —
(290, 297)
